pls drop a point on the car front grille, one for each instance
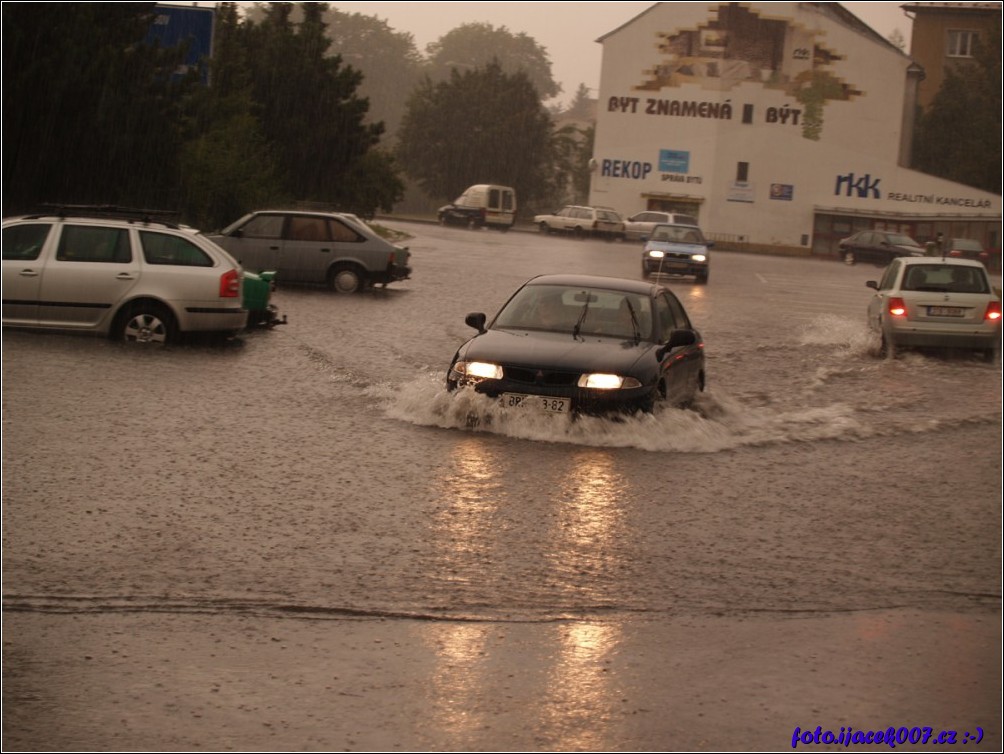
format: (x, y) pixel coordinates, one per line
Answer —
(542, 377)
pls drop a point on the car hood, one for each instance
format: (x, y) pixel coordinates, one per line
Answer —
(675, 247)
(589, 353)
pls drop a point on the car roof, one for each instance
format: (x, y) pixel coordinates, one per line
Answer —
(938, 260)
(595, 281)
(689, 226)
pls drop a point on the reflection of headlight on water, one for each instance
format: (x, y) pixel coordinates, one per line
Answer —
(598, 381)
(482, 370)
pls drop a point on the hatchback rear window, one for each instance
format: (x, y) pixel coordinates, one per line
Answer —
(943, 278)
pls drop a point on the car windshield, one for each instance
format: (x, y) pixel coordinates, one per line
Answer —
(945, 278)
(677, 234)
(578, 311)
(898, 239)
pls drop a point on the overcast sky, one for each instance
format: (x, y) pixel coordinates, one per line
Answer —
(568, 31)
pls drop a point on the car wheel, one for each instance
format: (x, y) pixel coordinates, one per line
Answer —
(472, 224)
(442, 220)
(578, 232)
(849, 258)
(345, 280)
(702, 278)
(887, 348)
(544, 228)
(146, 323)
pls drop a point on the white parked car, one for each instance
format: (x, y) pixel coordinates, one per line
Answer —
(639, 226)
(129, 276)
(938, 303)
(582, 222)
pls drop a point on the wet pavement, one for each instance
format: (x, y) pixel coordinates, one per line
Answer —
(296, 542)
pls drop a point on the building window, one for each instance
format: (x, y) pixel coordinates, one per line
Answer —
(742, 172)
(961, 44)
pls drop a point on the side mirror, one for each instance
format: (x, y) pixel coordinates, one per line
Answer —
(477, 321)
(237, 234)
(677, 338)
(710, 244)
(872, 284)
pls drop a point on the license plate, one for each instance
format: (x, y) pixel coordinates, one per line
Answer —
(945, 311)
(535, 402)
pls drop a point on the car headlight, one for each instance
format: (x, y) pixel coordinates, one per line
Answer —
(699, 258)
(600, 381)
(482, 370)
(656, 254)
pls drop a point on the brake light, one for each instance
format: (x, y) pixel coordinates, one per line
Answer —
(230, 284)
(897, 307)
(955, 253)
(993, 311)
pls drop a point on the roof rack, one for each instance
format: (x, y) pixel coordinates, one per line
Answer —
(111, 211)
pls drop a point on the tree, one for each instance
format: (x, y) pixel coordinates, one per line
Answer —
(219, 181)
(959, 137)
(309, 108)
(481, 126)
(388, 60)
(90, 112)
(475, 45)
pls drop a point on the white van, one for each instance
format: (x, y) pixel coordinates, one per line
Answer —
(482, 205)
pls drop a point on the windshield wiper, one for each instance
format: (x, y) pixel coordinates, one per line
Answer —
(582, 317)
(634, 322)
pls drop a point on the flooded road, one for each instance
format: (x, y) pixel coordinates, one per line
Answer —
(321, 471)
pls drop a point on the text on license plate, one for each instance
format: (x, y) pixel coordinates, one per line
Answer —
(538, 402)
(945, 311)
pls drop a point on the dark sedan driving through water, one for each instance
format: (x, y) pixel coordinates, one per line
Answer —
(583, 344)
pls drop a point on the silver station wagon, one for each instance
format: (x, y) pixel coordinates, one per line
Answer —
(134, 278)
(332, 248)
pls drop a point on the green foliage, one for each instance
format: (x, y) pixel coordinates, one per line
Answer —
(388, 61)
(482, 126)
(475, 45)
(959, 137)
(93, 115)
(90, 114)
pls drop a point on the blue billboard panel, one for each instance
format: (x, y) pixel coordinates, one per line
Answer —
(175, 25)
(674, 161)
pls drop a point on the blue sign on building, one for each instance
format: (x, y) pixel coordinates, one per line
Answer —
(175, 25)
(674, 161)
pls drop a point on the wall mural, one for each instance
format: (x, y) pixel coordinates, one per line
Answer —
(738, 45)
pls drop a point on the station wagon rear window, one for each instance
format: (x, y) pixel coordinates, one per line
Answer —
(161, 248)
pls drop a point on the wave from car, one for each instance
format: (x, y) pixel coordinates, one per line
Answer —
(583, 344)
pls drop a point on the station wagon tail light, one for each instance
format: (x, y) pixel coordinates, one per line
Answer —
(600, 381)
(897, 307)
(230, 284)
(993, 312)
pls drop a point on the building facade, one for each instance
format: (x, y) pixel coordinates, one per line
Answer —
(946, 35)
(782, 125)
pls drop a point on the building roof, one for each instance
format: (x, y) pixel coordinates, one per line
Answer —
(952, 7)
(835, 11)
